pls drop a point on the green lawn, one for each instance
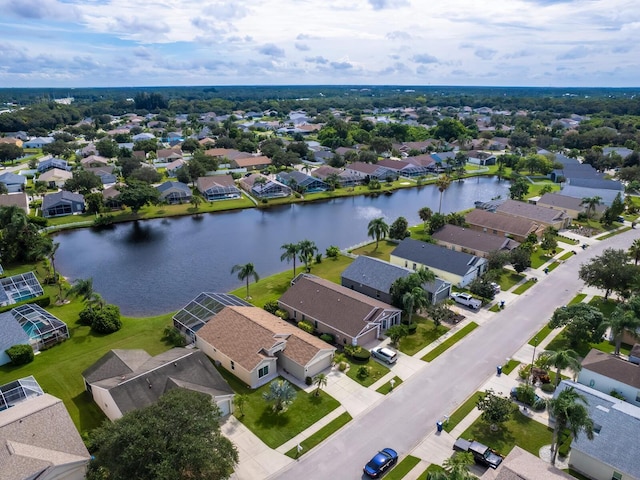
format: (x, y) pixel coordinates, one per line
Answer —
(272, 429)
(462, 411)
(553, 265)
(605, 306)
(560, 342)
(540, 257)
(321, 435)
(541, 335)
(518, 430)
(449, 342)
(433, 468)
(386, 388)
(495, 308)
(376, 371)
(578, 298)
(615, 232)
(570, 241)
(271, 288)
(508, 279)
(567, 256)
(383, 252)
(402, 468)
(425, 334)
(524, 287)
(510, 366)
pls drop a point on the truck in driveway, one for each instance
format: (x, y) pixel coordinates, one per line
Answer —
(467, 300)
(481, 453)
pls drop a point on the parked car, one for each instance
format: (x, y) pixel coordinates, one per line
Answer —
(467, 300)
(381, 462)
(385, 354)
(481, 453)
(496, 287)
(620, 219)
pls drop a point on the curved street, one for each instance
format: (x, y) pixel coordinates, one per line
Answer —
(402, 420)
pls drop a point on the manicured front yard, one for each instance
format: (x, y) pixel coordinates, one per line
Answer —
(510, 366)
(540, 257)
(524, 287)
(518, 430)
(273, 429)
(541, 335)
(449, 342)
(386, 388)
(375, 371)
(508, 279)
(615, 232)
(322, 434)
(425, 334)
(462, 411)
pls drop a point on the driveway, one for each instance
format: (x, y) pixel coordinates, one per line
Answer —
(403, 419)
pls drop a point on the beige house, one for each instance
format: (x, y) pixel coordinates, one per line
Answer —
(547, 216)
(351, 317)
(253, 344)
(15, 200)
(251, 163)
(55, 178)
(503, 225)
(472, 241)
(94, 161)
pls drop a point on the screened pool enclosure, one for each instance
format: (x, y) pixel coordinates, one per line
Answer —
(44, 329)
(13, 393)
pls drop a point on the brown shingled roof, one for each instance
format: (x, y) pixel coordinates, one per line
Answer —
(245, 333)
(505, 223)
(612, 367)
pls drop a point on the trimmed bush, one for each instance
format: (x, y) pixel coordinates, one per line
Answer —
(39, 221)
(412, 328)
(43, 301)
(327, 337)
(271, 307)
(20, 354)
(357, 353)
(172, 336)
(305, 326)
(524, 372)
(101, 320)
(548, 387)
(308, 380)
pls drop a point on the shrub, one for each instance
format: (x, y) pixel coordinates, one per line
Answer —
(39, 221)
(43, 301)
(357, 353)
(308, 380)
(342, 366)
(548, 387)
(271, 307)
(107, 320)
(539, 405)
(565, 443)
(618, 395)
(103, 220)
(305, 326)
(327, 337)
(526, 394)
(173, 336)
(318, 258)
(363, 371)
(524, 372)
(20, 354)
(411, 328)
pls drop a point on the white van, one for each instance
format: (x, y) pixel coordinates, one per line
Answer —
(385, 354)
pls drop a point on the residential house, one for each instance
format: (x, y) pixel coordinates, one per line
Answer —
(55, 178)
(11, 141)
(15, 200)
(607, 196)
(50, 162)
(140, 155)
(503, 225)
(253, 344)
(260, 186)
(122, 381)
(105, 174)
(143, 136)
(12, 334)
(174, 192)
(481, 158)
(94, 161)
(370, 170)
(37, 436)
(456, 267)
(374, 278)
(605, 372)
(548, 217)
(345, 179)
(422, 146)
(405, 168)
(228, 153)
(472, 241)
(168, 155)
(62, 203)
(521, 465)
(111, 196)
(14, 183)
(634, 354)
(426, 161)
(218, 187)
(251, 163)
(38, 142)
(173, 167)
(43, 330)
(302, 182)
(351, 317)
(613, 452)
(569, 205)
(19, 287)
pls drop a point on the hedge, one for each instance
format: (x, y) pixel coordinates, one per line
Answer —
(43, 301)
(20, 354)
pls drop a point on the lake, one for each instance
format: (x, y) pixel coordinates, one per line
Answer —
(156, 266)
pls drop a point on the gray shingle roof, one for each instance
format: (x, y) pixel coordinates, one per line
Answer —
(616, 445)
(62, 196)
(561, 201)
(596, 183)
(530, 211)
(374, 273)
(115, 363)
(607, 196)
(436, 257)
(168, 185)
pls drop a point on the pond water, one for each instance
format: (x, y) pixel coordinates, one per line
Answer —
(156, 266)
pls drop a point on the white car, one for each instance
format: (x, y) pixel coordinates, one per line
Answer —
(496, 287)
(385, 354)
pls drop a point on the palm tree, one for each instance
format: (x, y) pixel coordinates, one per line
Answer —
(320, 381)
(82, 288)
(52, 259)
(425, 214)
(306, 250)
(569, 411)
(196, 200)
(378, 229)
(443, 182)
(333, 180)
(291, 251)
(455, 468)
(622, 319)
(591, 203)
(561, 359)
(415, 299)
(281, 394)
(634, 250)
(245, 272)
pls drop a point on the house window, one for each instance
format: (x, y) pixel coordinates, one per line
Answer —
(377, 294)
(233, 365)
(495, 232)
(638, 397)
(263, 372)
(295, 314)
(596, 428)
(315, 324)
(616, 476)
(414, 266)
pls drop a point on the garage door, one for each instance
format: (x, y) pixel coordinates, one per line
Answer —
(224, 406)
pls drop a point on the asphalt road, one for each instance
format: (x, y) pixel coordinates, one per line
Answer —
(403, 419)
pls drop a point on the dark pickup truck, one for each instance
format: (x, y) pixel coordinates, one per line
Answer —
(481, 453)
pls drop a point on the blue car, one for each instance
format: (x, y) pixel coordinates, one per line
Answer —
(381, 462)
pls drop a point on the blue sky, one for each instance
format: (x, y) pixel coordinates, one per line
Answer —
(73, 43)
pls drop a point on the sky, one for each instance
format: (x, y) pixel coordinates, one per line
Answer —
(110, 43)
